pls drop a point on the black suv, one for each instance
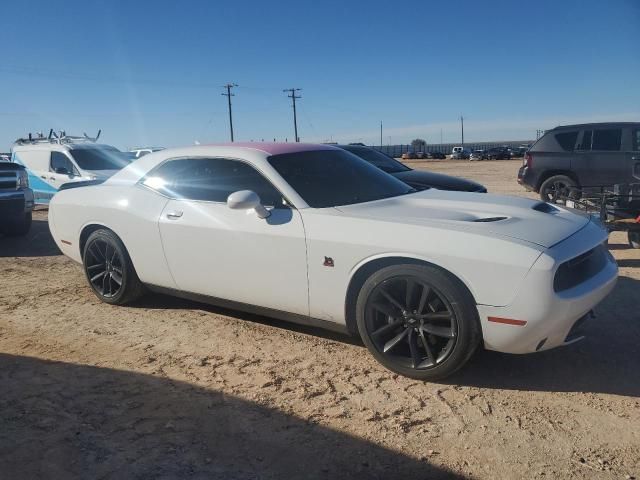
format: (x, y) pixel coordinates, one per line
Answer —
(16, 200)
(498, 153)
(580, 156)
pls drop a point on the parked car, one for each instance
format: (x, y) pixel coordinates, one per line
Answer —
(572, 157)
(437, 155)
(5, 157)
(463, 154)
(314, 234)
(499, 153)
(409, 156)
(55, 160)
(478, 155)
(16, 200)
(518, 152)
(418, 179)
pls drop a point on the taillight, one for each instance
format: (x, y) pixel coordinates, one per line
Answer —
(528, 160)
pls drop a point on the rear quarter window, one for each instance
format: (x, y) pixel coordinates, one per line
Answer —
(636, 140)
(567, 140)
(607, 139)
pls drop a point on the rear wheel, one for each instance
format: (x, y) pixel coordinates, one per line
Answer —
(557, 189)
(418, 321)
(634, 239)
(20, 227)
(109, 269)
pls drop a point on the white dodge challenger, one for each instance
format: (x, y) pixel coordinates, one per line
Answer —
(313, 234)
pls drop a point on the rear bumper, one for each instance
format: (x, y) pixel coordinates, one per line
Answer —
(525, 178)
(544, 318)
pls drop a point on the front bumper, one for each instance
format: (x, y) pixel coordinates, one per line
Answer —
(15, 203)
(549, 316)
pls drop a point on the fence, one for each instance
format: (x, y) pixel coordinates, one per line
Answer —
(397, 150)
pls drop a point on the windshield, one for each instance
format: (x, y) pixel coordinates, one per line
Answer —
(100, 158)
(329, 178)
(379, 159)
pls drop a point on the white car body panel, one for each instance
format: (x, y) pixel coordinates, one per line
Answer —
(132, 213)
(278, 263)
(239, 256)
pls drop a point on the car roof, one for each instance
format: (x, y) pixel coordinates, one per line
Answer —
(275, 148)
(597, 124)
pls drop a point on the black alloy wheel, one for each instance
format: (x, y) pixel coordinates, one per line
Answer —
(418, 321)
(109, 269)
(558, 189)
(104, 268)
(410, 322)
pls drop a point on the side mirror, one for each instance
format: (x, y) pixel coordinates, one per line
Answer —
(62, 171)
(247, 200)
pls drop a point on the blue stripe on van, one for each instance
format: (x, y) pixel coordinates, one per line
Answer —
(42, 191)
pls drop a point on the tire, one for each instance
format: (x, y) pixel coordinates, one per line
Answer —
(634, 239)
(557, 188)
(431, 347)
(109, 269)
(19, 228)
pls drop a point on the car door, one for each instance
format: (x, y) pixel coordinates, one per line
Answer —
(231, 254)
(600, 159)
(61, 170)
(633, 157)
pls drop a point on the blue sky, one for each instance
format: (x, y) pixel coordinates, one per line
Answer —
(151, 72)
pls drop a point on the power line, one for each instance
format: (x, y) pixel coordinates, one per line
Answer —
(229, 86)
(293, 97)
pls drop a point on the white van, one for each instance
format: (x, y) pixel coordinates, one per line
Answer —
(54, 161)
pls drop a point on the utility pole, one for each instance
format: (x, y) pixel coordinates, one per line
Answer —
(380, 132)
(293, 97)
(462, 129)
(229, 86)
(440, 136)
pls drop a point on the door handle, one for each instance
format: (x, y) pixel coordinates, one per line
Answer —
(174, 214)
(43, 177)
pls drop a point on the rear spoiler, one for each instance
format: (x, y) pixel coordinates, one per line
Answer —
(85, 183)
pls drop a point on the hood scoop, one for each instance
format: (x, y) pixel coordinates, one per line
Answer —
(544, 207)
(489, 219)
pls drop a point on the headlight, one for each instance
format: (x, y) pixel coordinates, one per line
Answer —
(23, 179)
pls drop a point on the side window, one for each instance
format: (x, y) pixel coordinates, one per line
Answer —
(567, 140)
(210, 179)
(636, 140)
(585, 143)
(608, 140)
(60, 160)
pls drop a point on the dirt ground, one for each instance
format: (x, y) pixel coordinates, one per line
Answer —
(172, 389)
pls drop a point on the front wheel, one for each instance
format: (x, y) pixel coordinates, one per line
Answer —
(109, 269)
(634, 239)
(418, 321)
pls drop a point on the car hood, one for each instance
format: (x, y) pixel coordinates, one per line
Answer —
(519, 218)
(439, 181)
(102, 174)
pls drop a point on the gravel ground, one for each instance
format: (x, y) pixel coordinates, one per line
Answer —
(172, 389)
